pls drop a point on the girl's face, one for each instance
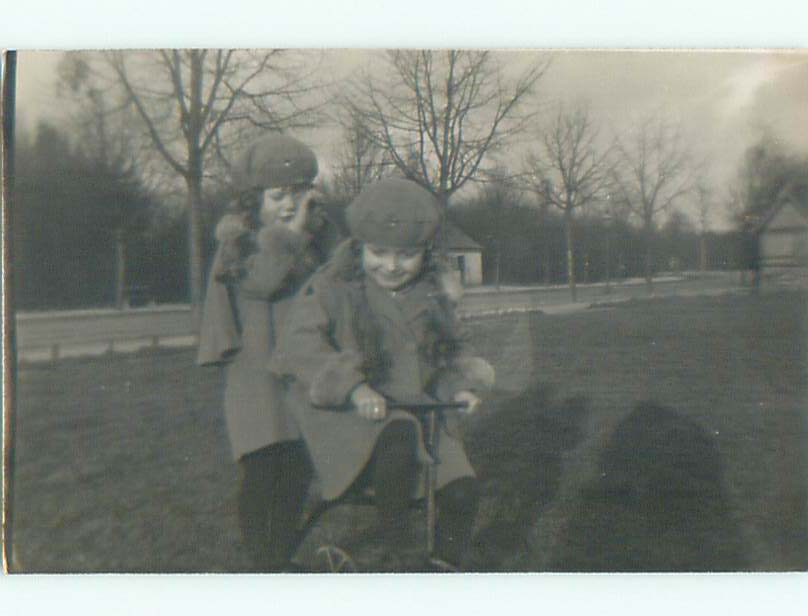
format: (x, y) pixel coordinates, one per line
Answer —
(279, 205)
(392, 268)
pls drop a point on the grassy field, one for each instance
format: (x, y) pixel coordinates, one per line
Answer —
(655, 435)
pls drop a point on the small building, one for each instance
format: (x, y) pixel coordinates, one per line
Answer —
(783, 233)
(465, 254)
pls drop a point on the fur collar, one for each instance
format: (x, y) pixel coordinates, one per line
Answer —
(230, 227)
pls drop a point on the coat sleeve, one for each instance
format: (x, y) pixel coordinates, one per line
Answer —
(308, 353)
(464, 372)
(277, 261)
(219, 336)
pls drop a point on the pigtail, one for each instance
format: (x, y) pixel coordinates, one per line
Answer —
(376, 360)
(440, 344)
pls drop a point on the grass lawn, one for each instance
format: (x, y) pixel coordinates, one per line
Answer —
(656, 435)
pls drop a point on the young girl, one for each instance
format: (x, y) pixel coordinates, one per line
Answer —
(375, 325)
(267, 248)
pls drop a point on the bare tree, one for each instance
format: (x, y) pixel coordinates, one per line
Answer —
(195, 105)
(650, 174)
(569, 171)
(441, 113)
(360, 161)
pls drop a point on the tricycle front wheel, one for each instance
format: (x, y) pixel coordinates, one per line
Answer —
(333, 559)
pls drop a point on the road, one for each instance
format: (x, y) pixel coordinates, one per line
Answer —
(557, 298)
(55, 334)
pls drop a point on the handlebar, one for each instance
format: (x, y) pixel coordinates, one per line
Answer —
(413, 407)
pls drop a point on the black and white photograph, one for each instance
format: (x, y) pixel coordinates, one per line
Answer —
(405, 310)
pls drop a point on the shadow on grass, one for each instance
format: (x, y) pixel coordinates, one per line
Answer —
(517, 448)
(658, 503)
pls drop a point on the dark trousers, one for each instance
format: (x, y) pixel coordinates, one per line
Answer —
(393, 472)
(272, 493)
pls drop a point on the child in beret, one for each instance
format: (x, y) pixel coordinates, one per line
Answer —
(375, 326)
(268, 245)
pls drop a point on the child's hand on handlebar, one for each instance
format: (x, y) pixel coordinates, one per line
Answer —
(471, 400)
(369, 403)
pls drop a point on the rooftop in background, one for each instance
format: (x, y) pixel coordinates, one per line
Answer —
(457, 240)
(795, 195)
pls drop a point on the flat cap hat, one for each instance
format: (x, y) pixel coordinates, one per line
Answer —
(274, 161)
(394, 212)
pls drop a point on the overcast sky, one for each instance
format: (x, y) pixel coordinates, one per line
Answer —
(723, 100)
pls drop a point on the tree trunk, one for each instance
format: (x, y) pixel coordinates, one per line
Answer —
(568, 232)
(442, 243)
(195, 282)
(649, 257)
(498, 261)
(194, 182)
(120, 269)
(703, 253)
(546, 271)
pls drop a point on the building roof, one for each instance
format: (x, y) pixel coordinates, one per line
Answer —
(457, 240)
(795, 195)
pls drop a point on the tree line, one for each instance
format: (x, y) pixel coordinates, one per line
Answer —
(123, 196)
(523, 246)
(85, 230)
(79, 220)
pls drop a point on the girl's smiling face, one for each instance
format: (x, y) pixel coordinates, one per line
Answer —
(392, 268)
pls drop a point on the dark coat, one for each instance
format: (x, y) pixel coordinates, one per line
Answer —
(241, 321)
(344, 330)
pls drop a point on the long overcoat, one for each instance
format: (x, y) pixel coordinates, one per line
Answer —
(325, 353)
(241, 320)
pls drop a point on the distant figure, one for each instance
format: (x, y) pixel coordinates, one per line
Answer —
(268, 245)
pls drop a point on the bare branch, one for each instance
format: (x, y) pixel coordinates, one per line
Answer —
(569, 170)
(652, 170)
(119, 66)
(441, 113)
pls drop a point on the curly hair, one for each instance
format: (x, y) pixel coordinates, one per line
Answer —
(248, 204)
(438, 344)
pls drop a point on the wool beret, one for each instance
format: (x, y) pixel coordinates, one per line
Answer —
(394, 212)
(274, 161)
